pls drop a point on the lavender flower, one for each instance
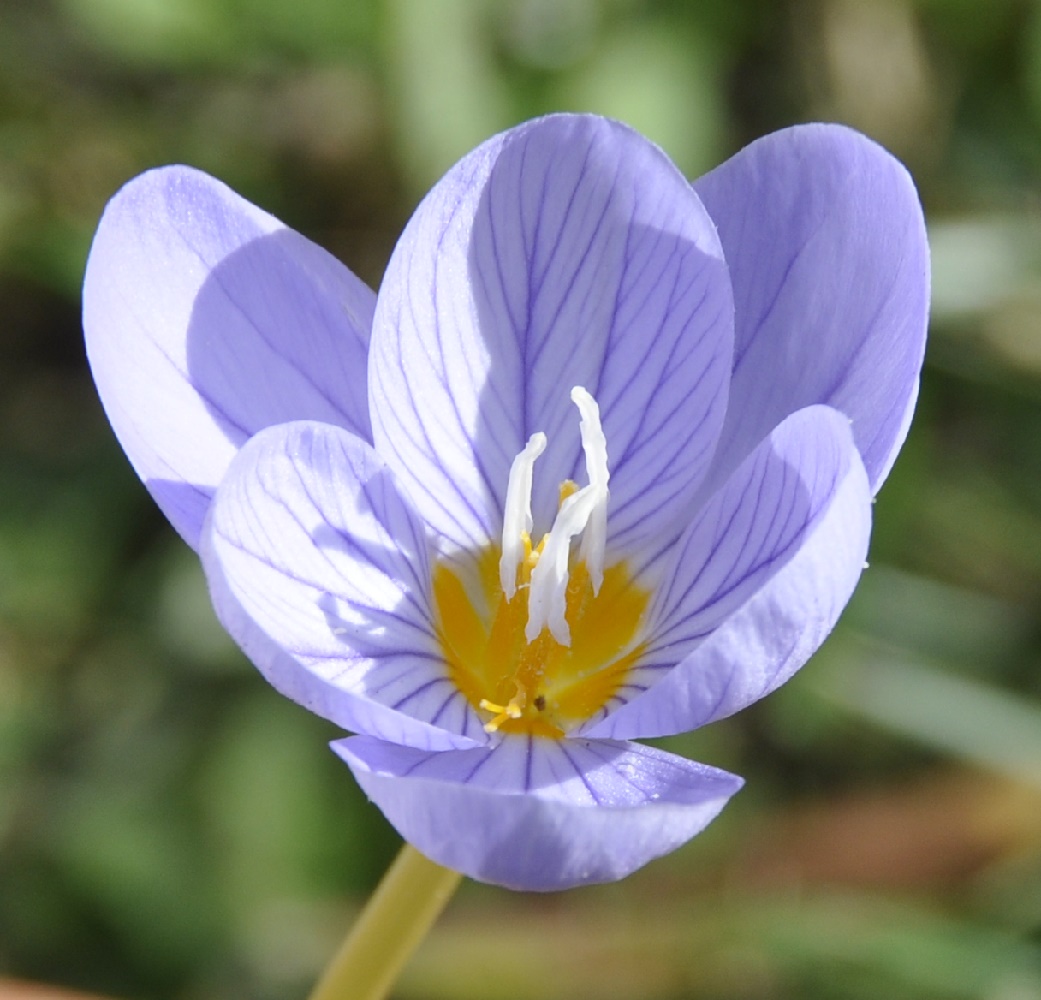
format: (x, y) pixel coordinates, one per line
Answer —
(595, 464)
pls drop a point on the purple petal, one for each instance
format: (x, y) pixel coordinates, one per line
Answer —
(566, 252)
(319, 569)
(824, 236)
(207, 320)
(539, 814)
(756, 583)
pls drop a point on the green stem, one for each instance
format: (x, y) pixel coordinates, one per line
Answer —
(397, 917)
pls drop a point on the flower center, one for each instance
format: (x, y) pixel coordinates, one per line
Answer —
(541, 638)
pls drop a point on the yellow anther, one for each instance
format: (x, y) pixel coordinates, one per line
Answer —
(503, 712)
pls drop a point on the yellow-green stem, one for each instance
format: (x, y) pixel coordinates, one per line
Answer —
(397, 917)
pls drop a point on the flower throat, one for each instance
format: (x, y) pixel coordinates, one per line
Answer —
(542, 637)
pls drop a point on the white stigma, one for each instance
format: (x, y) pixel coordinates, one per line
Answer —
(516, 519)
(594, 444)
(583, 511)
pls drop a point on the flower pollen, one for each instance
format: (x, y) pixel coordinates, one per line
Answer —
(542, 637)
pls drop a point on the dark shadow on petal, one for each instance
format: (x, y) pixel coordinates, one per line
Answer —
(361, 626)
(185, 504)
(380, 486)
(367, 568)
(279, 331)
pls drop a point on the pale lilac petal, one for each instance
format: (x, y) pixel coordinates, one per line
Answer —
(568, 251)
(538, 814)
(319, 569)
(206, 320)
(354, 712)
(756, 583)
(824, 236)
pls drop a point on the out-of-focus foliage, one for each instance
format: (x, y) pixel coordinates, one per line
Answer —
(171, 828)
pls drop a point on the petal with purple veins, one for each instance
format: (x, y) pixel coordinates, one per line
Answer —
(319, 569)
(539, 814)
(206, 320)
(755, 584)
(566, 252)
(825, 239)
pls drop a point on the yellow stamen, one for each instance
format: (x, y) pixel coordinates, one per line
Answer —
(503, 712)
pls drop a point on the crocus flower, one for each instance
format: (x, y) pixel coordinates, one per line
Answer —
(595, 464)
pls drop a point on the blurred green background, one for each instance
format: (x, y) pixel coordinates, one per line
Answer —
(170, 828)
